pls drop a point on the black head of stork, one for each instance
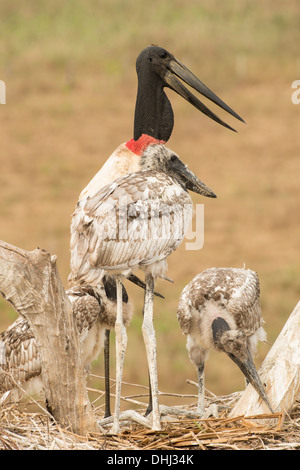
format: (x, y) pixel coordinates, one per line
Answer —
(156, 69)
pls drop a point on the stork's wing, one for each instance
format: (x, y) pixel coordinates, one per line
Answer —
(237, 289)
(20, 359)
(244, 302)
(139, 219)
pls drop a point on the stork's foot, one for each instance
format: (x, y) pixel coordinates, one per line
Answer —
(125, 417)
(168, 412)
(155, 422)
(212, 411)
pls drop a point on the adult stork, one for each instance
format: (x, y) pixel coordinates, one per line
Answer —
(220, 309)
(157, 69)
(135, 223)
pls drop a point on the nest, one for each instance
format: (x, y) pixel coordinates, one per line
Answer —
(21, 429)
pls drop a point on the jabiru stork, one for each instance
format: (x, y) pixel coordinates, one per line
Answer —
(136, 222)
(220, 310)
(157, 69)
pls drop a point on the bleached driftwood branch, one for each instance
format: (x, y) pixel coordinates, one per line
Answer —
(280, 372)
(31, 283)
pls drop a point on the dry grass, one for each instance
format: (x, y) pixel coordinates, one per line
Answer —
(21, 429)
(71, 88)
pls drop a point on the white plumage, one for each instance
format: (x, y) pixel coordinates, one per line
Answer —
(121, 162)
(220, 309)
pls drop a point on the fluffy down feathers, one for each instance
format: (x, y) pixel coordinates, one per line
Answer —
(20, 361)
(230, 293)
(231, 290)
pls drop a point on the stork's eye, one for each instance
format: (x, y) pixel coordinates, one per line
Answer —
(163, 54)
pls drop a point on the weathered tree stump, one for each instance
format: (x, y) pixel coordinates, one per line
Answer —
(280, 372)
(31, 283)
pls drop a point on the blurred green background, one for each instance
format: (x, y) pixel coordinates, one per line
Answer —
(69, 69)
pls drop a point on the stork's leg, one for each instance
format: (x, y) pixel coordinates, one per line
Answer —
(149, 408)
(201, 390)
(106, 374)
(150, 343)
(121, 343)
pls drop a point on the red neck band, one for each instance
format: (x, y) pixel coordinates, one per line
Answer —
(138, 146)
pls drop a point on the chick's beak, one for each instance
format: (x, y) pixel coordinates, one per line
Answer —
(248, 368)
(192, 183)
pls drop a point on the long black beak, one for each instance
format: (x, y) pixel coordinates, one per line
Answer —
(175, 68)
(249, 370)
(190, 180)
(247, 366)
